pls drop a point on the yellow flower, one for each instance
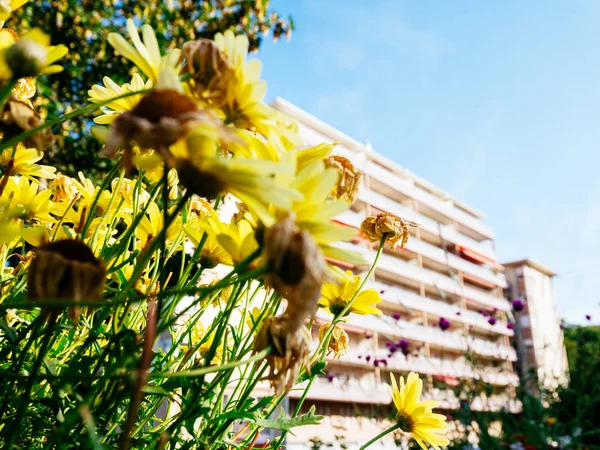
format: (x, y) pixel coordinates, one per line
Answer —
(236, 238)
(213, 253)
(416, 417)
(28, 56)
(112, 110)
(198, 336)
(144, 53)
(315, 213)
(8, 6)
(244, 106)
(204, 172)
(335, 296)
(386, 224)
(254, 321)
(151, 225)
(338, 342)
(23, 196)
(24, 163)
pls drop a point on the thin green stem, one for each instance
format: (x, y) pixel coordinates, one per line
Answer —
(6, 91)
(380, 435)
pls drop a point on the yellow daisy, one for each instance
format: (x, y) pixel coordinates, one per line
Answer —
(416, 417)
(112, 110)
(236, 238)
(24, 163)
(7, 7)
(335, 296)
(25, 197)
(34, 44)
(151, 225)
(213, 252)
(144, 52)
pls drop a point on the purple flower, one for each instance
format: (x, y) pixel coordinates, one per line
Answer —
(510, 326)
(389, 355)
(388, 343)
(404, 345)
(480, 311)
(588, 317)
(330, 378)
(359, 356)
(368, 335)
(393, 349)
(492, 321)
(376, 362)
(368, 358)
(518, 304)
(396, 316)
(458, 313)
(382, 291)
(383, 361)
(444, 323)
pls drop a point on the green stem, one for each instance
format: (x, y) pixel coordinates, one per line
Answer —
(6, 91)
(380, 435)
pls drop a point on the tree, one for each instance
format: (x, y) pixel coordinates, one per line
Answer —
(69, 22)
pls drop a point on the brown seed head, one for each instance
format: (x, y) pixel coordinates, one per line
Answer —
(18, 117)
(66, 270)
(211, 71)
(298, 268)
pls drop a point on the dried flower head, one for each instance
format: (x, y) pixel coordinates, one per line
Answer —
(392, 227)
(200, 208)
(63, 189)
(66, 270)
(298, 268)
(18, 117)
(159, 120)
(349, 178)
(338, 342)
(289, 350)
(211, 72)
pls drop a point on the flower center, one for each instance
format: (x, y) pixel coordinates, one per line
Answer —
(405, 422)
(337, 306)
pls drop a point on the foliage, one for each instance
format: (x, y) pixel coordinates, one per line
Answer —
(74, 22)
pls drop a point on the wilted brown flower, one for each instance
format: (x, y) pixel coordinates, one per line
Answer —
(385, 224)
(66, 270)
(338, 342)
(159, 120)
(289, 350)
(63, 188)
(349, 178)
(211, 72)
(18, 117)
(298, 269)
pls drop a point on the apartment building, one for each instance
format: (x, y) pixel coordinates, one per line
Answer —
(448, 270)
(539, 335)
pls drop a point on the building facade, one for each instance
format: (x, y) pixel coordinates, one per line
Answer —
(448, 270)
(539, 337)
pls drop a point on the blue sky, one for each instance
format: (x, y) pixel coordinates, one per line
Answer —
(497, 103)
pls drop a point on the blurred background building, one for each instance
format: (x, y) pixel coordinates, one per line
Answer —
(447, 277)
(539, 337)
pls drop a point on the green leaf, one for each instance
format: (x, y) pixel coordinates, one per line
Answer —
(315, 370)
(284, 423)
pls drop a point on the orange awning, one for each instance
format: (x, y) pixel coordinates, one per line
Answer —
(478, 281)
(339, 263)
(478, 257)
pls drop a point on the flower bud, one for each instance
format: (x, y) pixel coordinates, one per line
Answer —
(348, 180)
(392, 227)
(26, 58)
(66, 270)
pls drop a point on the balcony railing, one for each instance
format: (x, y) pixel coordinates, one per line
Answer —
(396, 266)
(435, 253)
(412, 301)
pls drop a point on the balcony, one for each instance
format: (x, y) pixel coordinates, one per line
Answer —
(435, 253)
(407, 188)
(412, 301)
(396, 267)
(397, 329)
(353, 391)
(445, 232)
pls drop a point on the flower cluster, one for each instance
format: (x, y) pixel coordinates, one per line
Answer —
(153, 247)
